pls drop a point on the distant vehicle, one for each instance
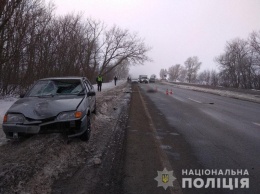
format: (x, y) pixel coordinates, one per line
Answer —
(143, 79)
(152, 79)
(134, 80)
(60, 104)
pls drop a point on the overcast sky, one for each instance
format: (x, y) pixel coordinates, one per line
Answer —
(175, 29)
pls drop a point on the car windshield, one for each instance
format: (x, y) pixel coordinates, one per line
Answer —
(56, 87)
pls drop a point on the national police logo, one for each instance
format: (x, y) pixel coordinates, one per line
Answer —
(165, 178)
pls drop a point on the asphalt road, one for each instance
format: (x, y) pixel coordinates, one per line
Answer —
(205, 131)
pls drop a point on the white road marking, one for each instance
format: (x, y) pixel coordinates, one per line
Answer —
(194, 100)
(256, 124)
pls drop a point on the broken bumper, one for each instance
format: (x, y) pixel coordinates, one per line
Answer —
(72, 128)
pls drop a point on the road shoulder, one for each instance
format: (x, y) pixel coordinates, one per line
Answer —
(144, 156)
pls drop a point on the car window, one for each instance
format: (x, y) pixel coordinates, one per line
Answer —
(43, 88)
(56, 87)
(67, 87)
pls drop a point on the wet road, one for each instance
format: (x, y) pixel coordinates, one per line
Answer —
(206, 131)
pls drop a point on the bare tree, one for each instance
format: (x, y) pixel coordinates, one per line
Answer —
(192, 66)
(36, 44)
(214, 78)
(163, 73)
(17, 49)
(254, 41)
(204, 77)
(7, 9)
(175, 72)
(240, 63)
(183, 75)
(90, 57)
(122, 71)
(120, 46)
(236, 62)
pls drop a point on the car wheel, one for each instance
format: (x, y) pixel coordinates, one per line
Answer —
(86, 135)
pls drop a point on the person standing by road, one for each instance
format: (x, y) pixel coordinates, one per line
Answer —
(115, 79)
(99, 81)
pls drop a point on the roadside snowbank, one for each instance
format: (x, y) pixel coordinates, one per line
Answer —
(109, 85)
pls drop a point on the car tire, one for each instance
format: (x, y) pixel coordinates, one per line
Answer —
(86, 135)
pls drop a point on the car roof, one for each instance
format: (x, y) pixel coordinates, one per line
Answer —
(65, 78)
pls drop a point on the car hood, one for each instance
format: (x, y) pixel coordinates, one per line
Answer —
(42, 108)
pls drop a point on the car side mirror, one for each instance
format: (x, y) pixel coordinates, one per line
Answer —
(22, 95)
(91, 93)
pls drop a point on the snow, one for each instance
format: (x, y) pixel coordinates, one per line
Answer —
(109, 85)
(7, 102)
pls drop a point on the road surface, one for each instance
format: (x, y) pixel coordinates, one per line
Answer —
(205, 131)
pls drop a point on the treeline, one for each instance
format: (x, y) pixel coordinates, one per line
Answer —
(34, 43)
(239, 66)
(183, 73)
(240, 63)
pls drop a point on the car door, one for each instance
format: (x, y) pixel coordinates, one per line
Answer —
(92, 89)
(91, 99)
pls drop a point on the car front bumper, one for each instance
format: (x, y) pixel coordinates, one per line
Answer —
(72, 128)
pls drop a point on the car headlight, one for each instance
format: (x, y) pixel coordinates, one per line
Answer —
(14, 118)
(72, 115)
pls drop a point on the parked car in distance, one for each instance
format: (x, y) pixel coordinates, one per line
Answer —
(152, 79)
(59, 104)
(134, 80)
(143, 79)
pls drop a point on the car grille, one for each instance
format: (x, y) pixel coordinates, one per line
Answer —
(42, 120)
(62, 127)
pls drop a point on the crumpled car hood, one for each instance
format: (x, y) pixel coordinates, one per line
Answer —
(43, 108)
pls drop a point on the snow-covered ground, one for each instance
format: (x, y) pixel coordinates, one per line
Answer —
(109, 85)
(5, 103)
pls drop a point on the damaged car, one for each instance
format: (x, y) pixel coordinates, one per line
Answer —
(53, 105)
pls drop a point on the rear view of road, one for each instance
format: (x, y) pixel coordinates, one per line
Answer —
(206, 131)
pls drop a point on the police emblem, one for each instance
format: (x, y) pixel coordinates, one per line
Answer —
(165, 178)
